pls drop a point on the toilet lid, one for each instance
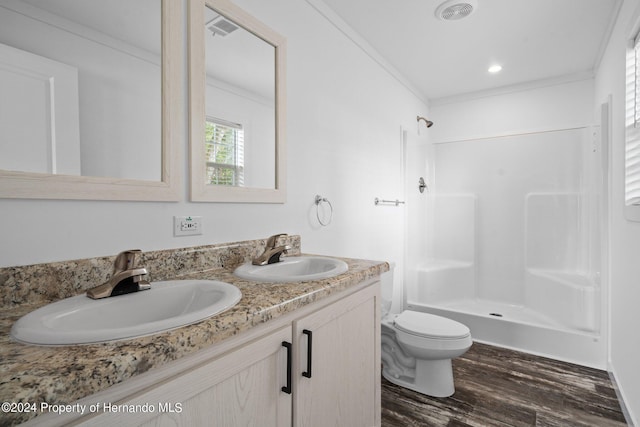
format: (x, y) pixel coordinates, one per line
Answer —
(430, 325)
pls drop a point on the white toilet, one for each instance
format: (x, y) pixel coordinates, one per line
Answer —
(417, 348)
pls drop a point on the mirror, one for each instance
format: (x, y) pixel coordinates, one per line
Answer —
(237, 106)
(90, 99)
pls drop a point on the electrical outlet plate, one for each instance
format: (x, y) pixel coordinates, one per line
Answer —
(187, 225)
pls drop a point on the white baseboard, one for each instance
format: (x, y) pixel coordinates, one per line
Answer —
(619, 394)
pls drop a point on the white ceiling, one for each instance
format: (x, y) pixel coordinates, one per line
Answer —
(532, 40)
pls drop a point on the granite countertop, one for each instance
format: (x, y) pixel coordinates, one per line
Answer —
(64, 374)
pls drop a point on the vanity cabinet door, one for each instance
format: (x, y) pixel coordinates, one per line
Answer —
(242, 387)
(341, 384)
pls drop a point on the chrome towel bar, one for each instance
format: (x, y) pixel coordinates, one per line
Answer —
(395, 202)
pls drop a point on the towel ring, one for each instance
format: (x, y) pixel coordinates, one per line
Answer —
(320, 199)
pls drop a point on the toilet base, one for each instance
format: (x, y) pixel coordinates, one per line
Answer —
(432, 377)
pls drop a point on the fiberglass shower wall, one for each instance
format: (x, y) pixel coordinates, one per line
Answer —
(513, 221)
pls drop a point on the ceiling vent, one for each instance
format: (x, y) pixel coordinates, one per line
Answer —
(221, 26)
(453, 10)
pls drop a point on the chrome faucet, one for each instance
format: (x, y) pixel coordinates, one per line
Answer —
(271, 253)
(126, 277)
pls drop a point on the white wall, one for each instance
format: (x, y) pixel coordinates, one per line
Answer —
(624, 240)
(545, 105)
(343, 142)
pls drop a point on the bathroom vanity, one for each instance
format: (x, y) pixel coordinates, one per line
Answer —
(243, 379)
(297, 353)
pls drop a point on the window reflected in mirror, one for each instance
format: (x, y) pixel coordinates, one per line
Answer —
(224, 152)
(240, 94)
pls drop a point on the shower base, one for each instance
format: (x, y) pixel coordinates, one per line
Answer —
(519, 328)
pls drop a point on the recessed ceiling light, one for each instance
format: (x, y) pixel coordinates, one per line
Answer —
(495, 69)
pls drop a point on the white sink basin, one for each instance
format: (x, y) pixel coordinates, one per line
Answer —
(293, 269)
(167, 305)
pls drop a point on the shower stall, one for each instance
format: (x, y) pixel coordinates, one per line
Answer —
(508, 239)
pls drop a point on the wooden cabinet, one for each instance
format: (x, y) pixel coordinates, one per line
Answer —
(240, 388)
(336, 342)
(339, 346)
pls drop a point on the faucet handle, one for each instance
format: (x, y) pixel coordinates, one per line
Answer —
(126, 260)
(273, 240)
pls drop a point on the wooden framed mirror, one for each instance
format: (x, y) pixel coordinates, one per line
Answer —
(98, 99)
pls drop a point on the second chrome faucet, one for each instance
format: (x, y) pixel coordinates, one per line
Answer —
(272, 252)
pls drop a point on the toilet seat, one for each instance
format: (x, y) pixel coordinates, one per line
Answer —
(430, 326)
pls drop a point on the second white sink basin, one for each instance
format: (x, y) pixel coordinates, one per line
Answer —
(293, 269)
(167, 305)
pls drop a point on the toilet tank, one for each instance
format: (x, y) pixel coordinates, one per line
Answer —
(391, 292)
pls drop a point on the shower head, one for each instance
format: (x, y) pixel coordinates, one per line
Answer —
(429, 123)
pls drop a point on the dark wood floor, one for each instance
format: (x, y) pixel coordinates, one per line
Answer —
(499, 387)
